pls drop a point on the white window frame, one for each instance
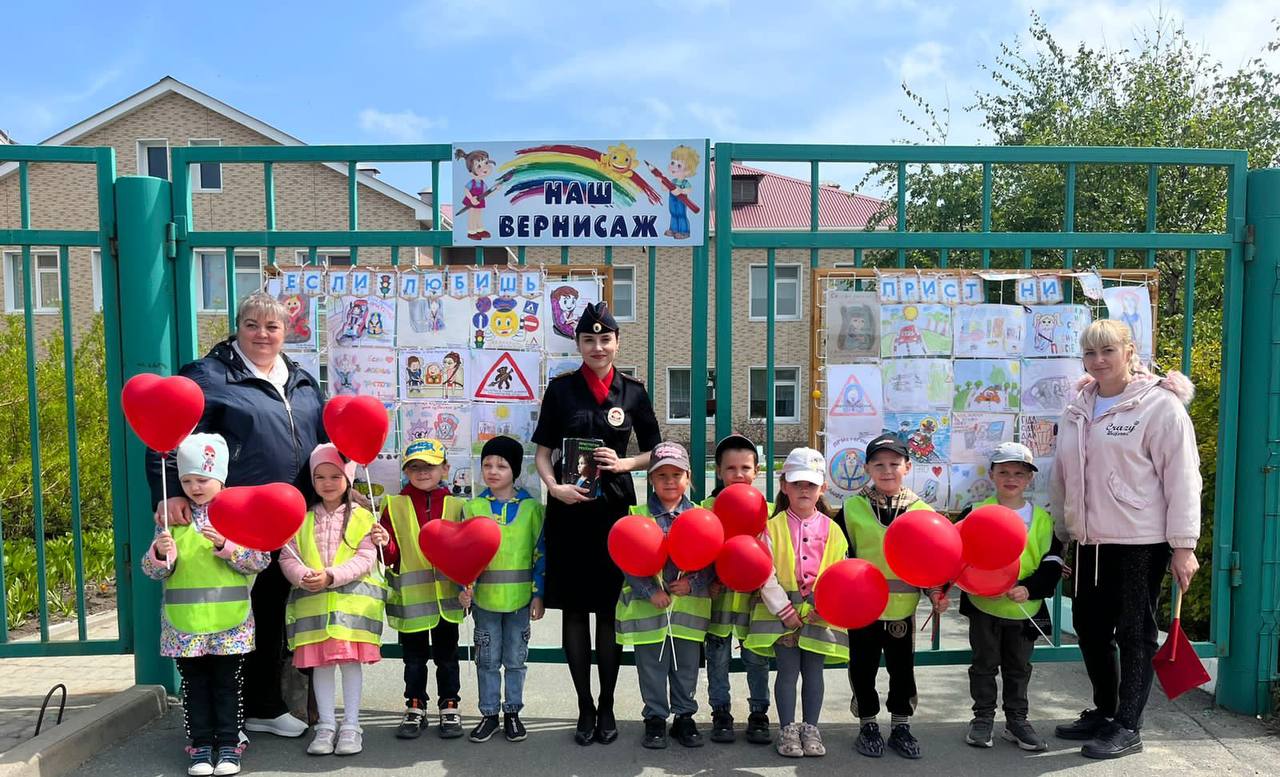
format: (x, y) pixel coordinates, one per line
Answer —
(199, 273)
(688, 369)
(143, 145)
(782, 419)
(95, 271)
(776, 296)
(628, 371)
(197, 176)
(13, 268)
(631, 268)
(322, 260)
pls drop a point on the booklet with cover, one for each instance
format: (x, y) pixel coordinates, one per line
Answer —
(580, 464)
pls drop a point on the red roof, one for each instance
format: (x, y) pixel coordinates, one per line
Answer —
(783, 203)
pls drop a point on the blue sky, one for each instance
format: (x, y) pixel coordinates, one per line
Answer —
(462, 70)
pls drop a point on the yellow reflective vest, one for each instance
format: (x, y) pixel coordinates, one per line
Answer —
(352, 612)
(868, 543)
(506, 585)
(638, 622)
(203, 595)
(731, 610)
(418, 600)
(1039, 537)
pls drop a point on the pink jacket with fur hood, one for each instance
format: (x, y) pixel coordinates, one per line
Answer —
(1132, 475)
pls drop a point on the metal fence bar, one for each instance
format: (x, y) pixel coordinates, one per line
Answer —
(986, 210)
(1153, 181)
(353, 206)
(1188, 312)
(231, 287)
(269, 187)
(1069, 215)
(651, 363)
(73, 444)
(435, 209)
(4, 604)
(770, 376)
(901, 226)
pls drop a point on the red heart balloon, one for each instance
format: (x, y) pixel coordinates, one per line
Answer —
(162, 411)
(851, 593)
(695, 539)
(744, 563)
(358, 426)
(742, 510)
(258, 517)
(923, 548)
(461, 551)
(989, 582)
(993, 537)
(638, 546)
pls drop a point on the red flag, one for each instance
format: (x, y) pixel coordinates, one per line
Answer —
(1176, 662)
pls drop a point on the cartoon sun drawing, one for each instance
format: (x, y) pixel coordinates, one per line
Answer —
(619, 159)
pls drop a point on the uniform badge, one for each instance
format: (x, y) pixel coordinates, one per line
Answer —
(897, 629)
(596, 328)
(615, 416)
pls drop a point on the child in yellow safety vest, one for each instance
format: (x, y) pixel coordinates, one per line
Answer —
(665, 617)
(804, 542)
(1000, 635)
(335, 611)
(508, 593)
(206, 624)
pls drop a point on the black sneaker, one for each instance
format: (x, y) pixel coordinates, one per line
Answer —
(201, 761)
(902, 743)
(979, 733)
(1021, 733)
(411, 724)
(450, 721)
(1084, 727)
(758, 729)
(655, 734)
(1114, 741)
(686, 731)
(513, 728)
(869, 741)
(722, 726)
(484, 729)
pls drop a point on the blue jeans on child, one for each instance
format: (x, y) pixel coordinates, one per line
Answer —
(719, 653)
(502, 642)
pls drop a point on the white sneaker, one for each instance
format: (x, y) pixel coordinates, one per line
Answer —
(349, 741)
(284, 725)
(811, 740)
(322, 744)
(789, 741)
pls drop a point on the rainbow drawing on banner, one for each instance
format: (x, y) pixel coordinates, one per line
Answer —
(576, 173)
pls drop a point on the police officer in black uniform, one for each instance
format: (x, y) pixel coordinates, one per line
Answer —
(598, 402)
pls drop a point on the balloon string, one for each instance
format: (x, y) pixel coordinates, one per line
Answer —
(164, 502)
(1033, 622)
(373, 505)
(292, 552)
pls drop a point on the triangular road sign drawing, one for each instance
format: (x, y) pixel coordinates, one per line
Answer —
(852, 400)
(504, 381)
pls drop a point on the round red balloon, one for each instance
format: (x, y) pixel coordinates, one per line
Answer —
(162, 411)
(258, 517)
(695, 539)
(742, 510)
(744, 563)
(993, 537)
(923, 548)
(989, 582)
(638, 546)
(851, 594)
(461, 551)
(357, 425)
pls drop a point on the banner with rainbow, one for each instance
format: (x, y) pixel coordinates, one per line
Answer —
(618, 192)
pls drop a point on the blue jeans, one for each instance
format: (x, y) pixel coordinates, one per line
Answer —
(719, 652)
(502, 642)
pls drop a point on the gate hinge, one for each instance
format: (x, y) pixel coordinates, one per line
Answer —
(1233, 566)
(114, 245)
(1248, 242)
(170, 241)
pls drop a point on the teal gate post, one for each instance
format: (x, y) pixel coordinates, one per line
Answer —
(1247, 673)
(146, 312)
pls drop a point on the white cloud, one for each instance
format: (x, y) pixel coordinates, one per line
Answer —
(921, 61)
(631, 62)
(401, 127)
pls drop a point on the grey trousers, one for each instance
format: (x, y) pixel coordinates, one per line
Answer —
(665, 689)
(1000, 646)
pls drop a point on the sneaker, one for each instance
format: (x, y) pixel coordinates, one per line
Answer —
(789, 741)
(869, 741)
(1084, 727)
(228, 761)
(811, 740)
(450, 721)
(322, 742)
(201, 761)
(1020, 732)
(484, 729)
(902, 743)
(284, 725)
(979, 733)
(411, 724)
(686, 731)
(1114, 741)
(758, 728)
(513, 728)
(722, 726)
(655, 734)
(350, 741)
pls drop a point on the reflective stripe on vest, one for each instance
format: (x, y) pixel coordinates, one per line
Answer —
(1039, 536)
(731, 610)
(414, 602)
(203, 595)
(506, 585)
(638, 622)
(352, 612)
(868, 543)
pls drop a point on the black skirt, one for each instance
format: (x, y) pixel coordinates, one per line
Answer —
(580, 574)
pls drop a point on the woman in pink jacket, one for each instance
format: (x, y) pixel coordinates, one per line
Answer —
(1126, 487)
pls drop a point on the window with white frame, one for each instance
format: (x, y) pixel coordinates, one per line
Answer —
(326, 258)
(624, 292)
(786, 390)
(95, 270)
(786, 300)
(211, 280)
(206, 176)
(630, 372)
(680, 394)
(46, 292)
(153, 158)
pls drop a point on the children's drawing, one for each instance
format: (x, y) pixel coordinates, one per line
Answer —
(1132, 305)
(503, 376)
(989, 330)
(384, 473)
(460, 477)
(1038, 491)
(915, 330)
(683, 165)
(557, 366)
(432, 374)
(846, 464)
(932, 483)
(1048, 384)
(508, 320)
(853, 324)
(513, 419)
(974, 436)
(1039, 433)
(854, 398)
(434, 322)
(926, 435)
(370, 371)
(361, 321)
(301, 328)
(307, 360)
(987, 385)
(564, 302)
(969, 483)
(445, 421)
(1054, 330)
(913, 384)
(479, 166)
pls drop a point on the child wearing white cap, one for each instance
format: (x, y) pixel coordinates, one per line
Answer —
(206, 624)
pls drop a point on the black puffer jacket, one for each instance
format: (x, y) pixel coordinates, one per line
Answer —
(269, 440)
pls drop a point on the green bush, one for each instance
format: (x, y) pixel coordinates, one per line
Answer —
(22, 593)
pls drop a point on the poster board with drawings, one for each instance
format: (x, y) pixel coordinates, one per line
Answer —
(1132, 305)
(503, 376)
(926, 435)
(1049, 384)
(974, 436)
(302, 327)
(846, 464)
(369, 370)
(855, 399)
(853, 328)
(432, 374)
(361, 321)
(433, 322)
(989, 331)
(931, 482)
(1039, 433)
(911, 384)
(564, 301)
(516, 420)
(988, 385)
(915, 330)
(1054, 330)
(507, 309)
(446, 421)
